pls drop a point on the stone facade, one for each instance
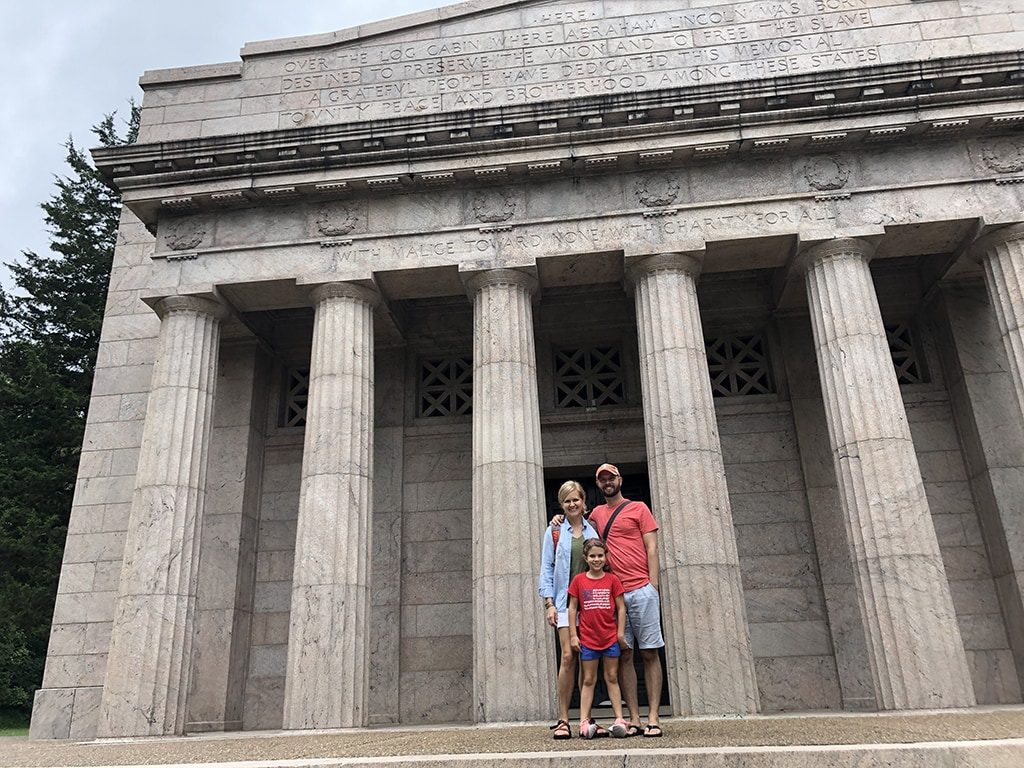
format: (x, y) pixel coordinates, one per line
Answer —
(374, 289)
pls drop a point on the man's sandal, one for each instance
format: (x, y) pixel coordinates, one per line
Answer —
(562, 731)
(652, 731)
(634, 729)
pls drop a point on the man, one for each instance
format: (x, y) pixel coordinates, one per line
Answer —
(632, 540)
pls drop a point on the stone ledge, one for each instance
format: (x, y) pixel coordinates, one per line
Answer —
(984, 736)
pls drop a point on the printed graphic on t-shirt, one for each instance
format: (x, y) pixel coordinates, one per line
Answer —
(599, 599)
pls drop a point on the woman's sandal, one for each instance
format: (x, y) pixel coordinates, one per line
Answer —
(562, 730)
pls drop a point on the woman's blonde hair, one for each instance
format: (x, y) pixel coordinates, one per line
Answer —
(571, 486)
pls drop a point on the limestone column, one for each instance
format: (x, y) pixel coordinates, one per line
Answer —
(513, 670)
(1002, 255)
(326, 676)
(914, 647)
(150, 646)
(711, 668)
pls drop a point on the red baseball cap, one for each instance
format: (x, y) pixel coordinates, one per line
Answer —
(607, 468)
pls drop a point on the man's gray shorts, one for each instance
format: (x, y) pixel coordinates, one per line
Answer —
(643, 612)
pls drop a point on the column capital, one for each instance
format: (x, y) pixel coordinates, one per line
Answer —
(839, 248)
(986, 244)
(200, 304)
(477, 281)
(364, 293)
(689, 262)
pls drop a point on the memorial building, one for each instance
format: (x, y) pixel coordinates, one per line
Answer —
(378, 292)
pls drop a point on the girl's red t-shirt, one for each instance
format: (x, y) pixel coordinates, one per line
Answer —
(599, 626)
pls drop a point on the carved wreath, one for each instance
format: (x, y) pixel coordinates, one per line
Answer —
(826, 173)
(185, 234)
(335, 220)
(494, 207)
(657, 191)
(1004, 155)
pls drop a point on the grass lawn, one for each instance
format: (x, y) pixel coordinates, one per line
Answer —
(13, 730)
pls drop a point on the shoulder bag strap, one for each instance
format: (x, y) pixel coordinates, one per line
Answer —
(608, 525)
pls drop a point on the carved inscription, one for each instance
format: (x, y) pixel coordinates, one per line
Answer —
(576, 51)
(545, 240)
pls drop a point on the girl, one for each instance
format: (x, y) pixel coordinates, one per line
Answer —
(561, 560)
(596, 598)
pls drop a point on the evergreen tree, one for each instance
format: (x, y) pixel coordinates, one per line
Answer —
(49, 333)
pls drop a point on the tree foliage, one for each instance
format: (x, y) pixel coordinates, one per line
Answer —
(49, 334)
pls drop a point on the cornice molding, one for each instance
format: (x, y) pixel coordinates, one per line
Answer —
(867, 106)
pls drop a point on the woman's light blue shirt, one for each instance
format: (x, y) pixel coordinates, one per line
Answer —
(554, 566)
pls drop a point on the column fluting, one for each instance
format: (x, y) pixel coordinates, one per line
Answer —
(1002, 255)
(513, 670)
(326, 676)
(148, 663)
(914, 646)
(710, 664)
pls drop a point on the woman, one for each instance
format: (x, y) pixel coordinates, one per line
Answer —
(561, 560)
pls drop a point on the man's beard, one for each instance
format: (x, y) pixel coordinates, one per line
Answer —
(612, 493)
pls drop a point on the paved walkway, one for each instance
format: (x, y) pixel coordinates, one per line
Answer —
(999, 726)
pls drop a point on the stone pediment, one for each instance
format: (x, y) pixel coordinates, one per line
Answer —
(499, 55)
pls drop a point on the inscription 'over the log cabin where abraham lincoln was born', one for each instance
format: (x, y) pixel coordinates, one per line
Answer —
(575, 52)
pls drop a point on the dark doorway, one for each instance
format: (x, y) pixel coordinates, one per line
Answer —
(635, 486)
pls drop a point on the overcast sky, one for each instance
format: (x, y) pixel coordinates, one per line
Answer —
(69, 62)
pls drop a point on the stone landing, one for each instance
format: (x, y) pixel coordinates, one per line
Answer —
(979, 738)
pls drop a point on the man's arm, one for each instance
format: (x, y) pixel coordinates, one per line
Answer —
(651, 543)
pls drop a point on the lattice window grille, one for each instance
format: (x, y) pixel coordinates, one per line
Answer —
(446, 387)
(589, 378)
(296, 397)
(739, 365)
(905, 357)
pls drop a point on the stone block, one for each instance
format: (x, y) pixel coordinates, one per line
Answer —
(436, 556)
(434, 588)
(950, 498)
(51, 713)
(277, 535)
(995, 677)
(264, 703)
(428, 467)
(779, 571)
(797, 683)
(272, 596)
(760, 508)
(83, 608)
(85, 716)
(983, 632)
(965, 563)
(279, 506)
(74, 671)
(76, 577)
(774, 539)
(268, 661)
(974, 596)
(790, 638)
(942, 466)
(438, 620)
(784, 605)
(437, 526)
(765, 476)
(270, 628)
(437, 496)
(275, 565)
(423, 706)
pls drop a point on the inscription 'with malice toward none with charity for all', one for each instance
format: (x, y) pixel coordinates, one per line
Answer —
(573, 52)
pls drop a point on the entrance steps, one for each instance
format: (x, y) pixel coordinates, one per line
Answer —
(991, 737)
